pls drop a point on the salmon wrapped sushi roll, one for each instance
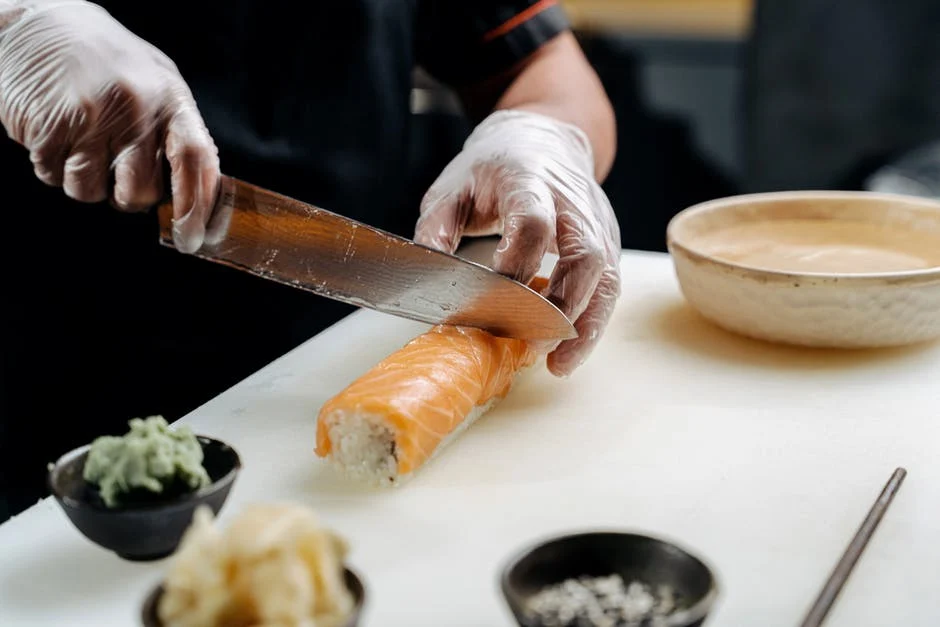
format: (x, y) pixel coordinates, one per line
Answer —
(388, 423)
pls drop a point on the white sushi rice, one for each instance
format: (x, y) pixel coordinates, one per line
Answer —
(601, 602)
(363, 445)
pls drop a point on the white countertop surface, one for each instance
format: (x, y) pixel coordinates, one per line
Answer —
(762, 459)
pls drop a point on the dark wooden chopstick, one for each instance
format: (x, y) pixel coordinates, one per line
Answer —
(827, 596)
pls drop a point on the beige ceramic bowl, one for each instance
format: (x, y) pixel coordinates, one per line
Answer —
(851, 302)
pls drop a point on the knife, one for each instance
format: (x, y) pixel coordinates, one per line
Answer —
(290, 242)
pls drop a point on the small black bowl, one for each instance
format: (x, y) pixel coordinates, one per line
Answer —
(147, 528)
(152, 619)
(599, 554)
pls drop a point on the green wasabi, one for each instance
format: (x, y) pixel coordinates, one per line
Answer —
(150, 457)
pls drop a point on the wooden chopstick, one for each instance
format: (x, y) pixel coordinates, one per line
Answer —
(827, 596)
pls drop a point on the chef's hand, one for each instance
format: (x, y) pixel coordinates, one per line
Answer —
(530, 178)
(87, 97)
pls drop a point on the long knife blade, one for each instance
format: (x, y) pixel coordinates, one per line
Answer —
(288, 241)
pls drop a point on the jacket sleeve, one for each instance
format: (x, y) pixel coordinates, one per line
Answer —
(462, 41)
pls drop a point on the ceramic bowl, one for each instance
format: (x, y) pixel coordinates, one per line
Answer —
(145, 531)
(652, 561)
(856, 305)
(151, 618)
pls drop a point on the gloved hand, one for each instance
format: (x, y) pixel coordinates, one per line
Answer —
(530, 178)
(86, 97)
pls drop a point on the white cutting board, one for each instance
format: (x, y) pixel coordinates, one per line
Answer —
(762, 459)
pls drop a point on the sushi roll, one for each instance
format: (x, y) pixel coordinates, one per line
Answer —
(395, 418)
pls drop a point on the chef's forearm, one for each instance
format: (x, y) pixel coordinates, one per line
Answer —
(557, 81)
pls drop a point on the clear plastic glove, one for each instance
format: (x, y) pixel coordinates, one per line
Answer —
(88, 98)
(530, 178)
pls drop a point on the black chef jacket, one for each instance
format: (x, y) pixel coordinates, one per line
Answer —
(308, 98)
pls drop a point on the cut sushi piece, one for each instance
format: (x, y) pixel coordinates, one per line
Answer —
(397, 416)
(388, 423)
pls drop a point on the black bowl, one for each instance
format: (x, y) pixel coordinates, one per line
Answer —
(597, 554)
(353, 582)
(147, 528)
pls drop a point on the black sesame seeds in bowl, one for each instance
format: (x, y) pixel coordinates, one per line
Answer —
(608, 579)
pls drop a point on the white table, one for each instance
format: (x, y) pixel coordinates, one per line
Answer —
(762, 459)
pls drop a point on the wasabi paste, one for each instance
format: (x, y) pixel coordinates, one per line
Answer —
(150, 457)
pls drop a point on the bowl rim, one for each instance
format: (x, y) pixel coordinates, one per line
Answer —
(181, 500)
(916, 276)
(696, 612)
(155, 592)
